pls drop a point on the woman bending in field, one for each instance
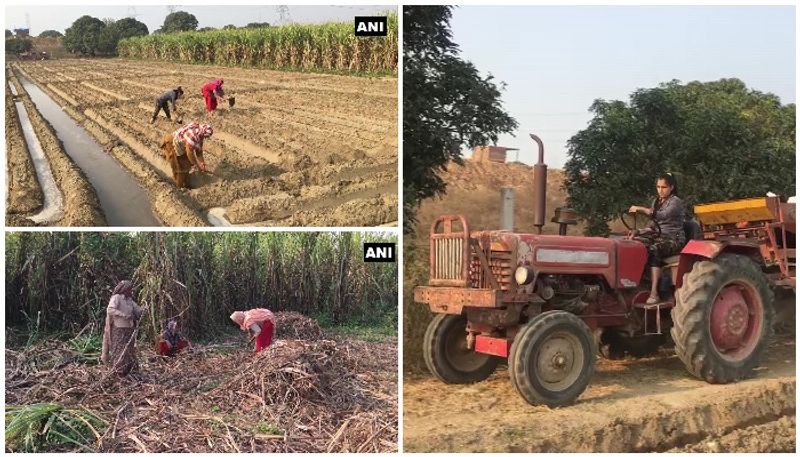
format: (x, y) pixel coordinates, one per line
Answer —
(260, 322)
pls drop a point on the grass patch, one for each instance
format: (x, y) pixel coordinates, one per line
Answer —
(87, 347)
(45, 427)
(265, 428)
(372, 328)
(373, 333)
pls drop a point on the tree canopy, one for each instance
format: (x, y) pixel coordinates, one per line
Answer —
(722, 141)
(179, 21)
(91, 36)
(129, 27)
(51, 34)
(447, 105)
(18, 45)
(257, 25)
(9, 34)
(85, 36)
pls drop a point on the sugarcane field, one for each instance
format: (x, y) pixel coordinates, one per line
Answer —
(291, 125)
(199, 342)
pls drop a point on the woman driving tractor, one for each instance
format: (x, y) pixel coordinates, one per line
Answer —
(665, 236)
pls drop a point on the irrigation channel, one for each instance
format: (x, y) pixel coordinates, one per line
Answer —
(123, 201)
(52, 209)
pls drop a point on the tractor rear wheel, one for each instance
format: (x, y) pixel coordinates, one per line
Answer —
(552, 359)
(722, 318)
(446, 354)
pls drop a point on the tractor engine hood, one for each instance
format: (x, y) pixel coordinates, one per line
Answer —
(620, 261)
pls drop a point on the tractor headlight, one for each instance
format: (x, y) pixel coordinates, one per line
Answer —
(524, 275)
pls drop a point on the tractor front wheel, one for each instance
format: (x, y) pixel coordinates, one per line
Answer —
(722, 318)
(447, 356)
(552, 359)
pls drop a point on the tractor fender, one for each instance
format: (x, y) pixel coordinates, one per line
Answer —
(707, 249)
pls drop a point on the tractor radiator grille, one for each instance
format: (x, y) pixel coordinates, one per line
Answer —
(449, 256)
(500, 263)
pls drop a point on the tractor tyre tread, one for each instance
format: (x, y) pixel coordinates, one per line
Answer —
(691, 315)
(437, 363)
(518, 362)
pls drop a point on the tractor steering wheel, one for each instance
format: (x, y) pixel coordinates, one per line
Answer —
(634, 224)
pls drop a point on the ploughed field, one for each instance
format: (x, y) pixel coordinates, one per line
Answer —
(296, 149)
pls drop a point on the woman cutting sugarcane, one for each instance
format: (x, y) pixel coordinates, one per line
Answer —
(119, 336)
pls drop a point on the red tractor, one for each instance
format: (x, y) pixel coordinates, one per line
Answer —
(549, 303)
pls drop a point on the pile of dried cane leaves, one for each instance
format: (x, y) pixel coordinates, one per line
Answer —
(303, 394)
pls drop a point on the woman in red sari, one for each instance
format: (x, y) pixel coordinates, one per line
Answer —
(260, 322)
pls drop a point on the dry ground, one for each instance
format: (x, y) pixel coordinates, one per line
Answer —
(640, 405)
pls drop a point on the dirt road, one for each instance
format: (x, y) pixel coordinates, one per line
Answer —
(297, 148)
(643, 405)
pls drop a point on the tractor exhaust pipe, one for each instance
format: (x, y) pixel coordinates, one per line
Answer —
(507, 208)
(539, 187)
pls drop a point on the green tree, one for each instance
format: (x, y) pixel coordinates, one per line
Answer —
(107, 41)
(9, 34)
(256, 25)
(84, 36)
(722, 140)
(18, 45)
(447, 105)
(206, 29)
(50, 34)
(179, 21)
(229, 27)
(129, 27)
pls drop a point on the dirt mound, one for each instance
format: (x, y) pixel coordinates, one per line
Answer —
(776, 436)
(24, 192)
(297, 396)
(291, 324)
(474, 191)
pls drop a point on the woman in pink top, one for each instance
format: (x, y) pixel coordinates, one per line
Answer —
(259, 321)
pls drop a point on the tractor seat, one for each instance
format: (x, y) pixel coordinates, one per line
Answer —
(692, 231)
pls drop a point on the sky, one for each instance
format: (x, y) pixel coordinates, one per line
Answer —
(557, 60)
(60, 17)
